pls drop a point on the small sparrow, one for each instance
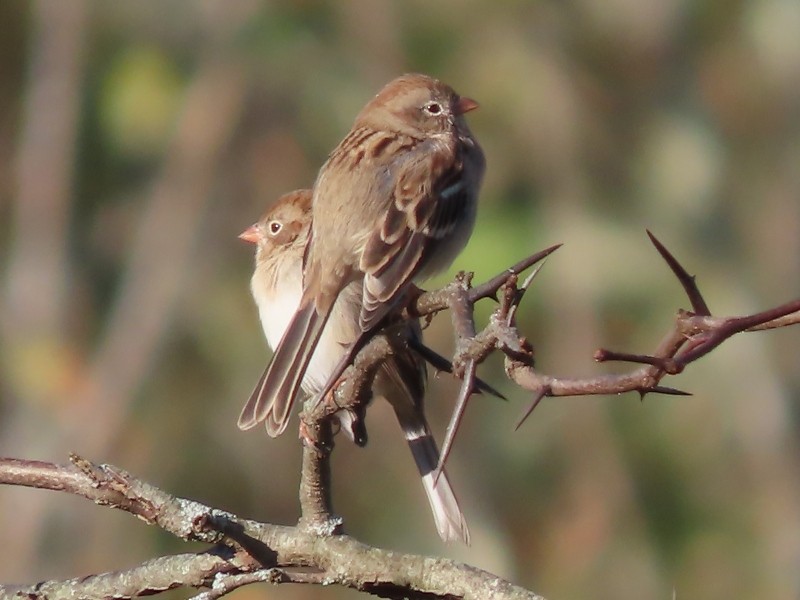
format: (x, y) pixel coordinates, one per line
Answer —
(281, 237)
(394, 203)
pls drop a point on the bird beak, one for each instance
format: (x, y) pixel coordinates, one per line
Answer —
(250, 234)
(465, 105)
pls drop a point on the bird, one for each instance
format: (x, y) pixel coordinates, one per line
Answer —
(280, 237)
(394, 203)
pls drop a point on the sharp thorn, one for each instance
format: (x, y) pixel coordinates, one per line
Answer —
(530, 408)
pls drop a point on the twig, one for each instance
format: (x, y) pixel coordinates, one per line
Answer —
(693, 335)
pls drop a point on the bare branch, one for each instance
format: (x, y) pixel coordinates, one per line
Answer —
(151, 577)
(785, 321)
(291, 554)
(315, 479)
(693, 335)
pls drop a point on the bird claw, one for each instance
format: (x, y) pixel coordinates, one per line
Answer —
(305, 435)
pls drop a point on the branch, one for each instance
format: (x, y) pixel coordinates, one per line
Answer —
(244, 551)
(315, 479)
(351, 381)
(692, 336)
(315, 551)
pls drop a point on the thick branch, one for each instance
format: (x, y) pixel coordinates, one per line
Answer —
(247, 551)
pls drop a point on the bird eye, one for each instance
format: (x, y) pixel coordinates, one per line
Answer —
(275, 227)
(432, 108)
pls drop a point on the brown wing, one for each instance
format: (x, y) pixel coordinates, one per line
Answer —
(428, 200)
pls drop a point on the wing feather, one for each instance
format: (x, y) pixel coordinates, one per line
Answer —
(428, 200)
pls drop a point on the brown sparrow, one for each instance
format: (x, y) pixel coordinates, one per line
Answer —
(394, 203)
(281, 237)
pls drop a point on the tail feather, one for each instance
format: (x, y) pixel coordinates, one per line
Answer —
(449, 519)
(247, 418)
(290, 370)
(401, 381)
(276, 391)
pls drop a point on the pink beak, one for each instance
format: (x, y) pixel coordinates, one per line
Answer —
(465, 105)
(250, 234)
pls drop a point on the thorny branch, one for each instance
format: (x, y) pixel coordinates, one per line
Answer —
(693, 335)
(315, 551)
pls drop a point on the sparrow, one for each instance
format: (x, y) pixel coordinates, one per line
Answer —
(281, 236)
(394, 204)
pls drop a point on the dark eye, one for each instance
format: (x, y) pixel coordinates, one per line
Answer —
(275, 227)
(432, 108)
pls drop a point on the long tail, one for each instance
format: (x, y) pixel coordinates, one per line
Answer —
(401, 380)
(450, 522)
(276, 391)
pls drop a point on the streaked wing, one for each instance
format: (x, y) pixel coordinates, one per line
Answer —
(428, 200)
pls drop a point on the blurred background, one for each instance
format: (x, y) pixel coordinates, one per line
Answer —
(138, 139)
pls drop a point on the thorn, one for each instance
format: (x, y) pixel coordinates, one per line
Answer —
(606, 355)
(669, 391)
(442, 365)
(489, 288)
(531, 260)
(520, 292)
(531, 406)
(458, 414)
(481, 386)
(436, 360)
(687, 281)
(529, 279)
(510, 317)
